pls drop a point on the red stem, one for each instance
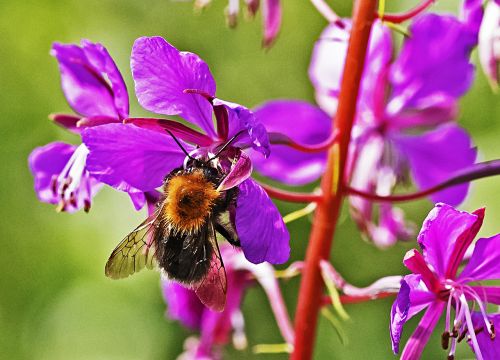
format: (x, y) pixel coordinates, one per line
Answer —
(326, 216)
(402, 17)
(281, 139)
(290, 196)
(473, 172)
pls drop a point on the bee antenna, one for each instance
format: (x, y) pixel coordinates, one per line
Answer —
(229, 142)
(180, 145)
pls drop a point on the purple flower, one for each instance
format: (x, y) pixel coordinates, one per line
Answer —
(217, 328)
(445, 236)
(95, 89)
(171, 82)
(271, 15)
(489, 42)
(404, 121)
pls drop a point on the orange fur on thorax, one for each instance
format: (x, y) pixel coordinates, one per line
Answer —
(189, 201)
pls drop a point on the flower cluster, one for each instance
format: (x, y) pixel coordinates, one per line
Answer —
(405, 124)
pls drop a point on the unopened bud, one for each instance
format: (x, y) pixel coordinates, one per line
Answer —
(489, 43)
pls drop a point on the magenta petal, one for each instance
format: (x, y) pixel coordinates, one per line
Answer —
(239, 172)
(241, 119)
(162, 73)
(83, 82)
(399, 314)
(489, 294)
(126, 155)
(432, 111)
(260, 227)
(67, 121)
(99, 58)
(138, 199)
(418, 340)
(305, 124)
(440, 231)
(435, 156)
(484, 263)
(490, 348)
(182, 304)
(471, 14)
(271, 13)
(445, 68)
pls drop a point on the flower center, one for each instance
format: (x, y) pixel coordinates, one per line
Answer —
(73, 185)
(457, 296)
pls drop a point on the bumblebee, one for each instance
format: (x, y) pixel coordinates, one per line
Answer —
(180, 237)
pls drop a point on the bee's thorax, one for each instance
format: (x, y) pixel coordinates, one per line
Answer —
(190, 198)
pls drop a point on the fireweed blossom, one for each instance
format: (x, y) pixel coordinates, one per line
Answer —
(95, 90)
(171, 82)
(404, 123)
(271, 15)
(219, 328)
(445, 236)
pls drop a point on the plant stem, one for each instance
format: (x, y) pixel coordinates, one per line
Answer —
(290, 196)
(402, 17)
(326, 216)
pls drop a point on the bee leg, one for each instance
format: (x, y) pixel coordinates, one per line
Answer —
(221, 230)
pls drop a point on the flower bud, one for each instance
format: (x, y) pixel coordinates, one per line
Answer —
(489, 42)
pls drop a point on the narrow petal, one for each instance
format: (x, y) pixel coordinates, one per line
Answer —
(126, 155)
(271, 14)
(265, 275)
(83, 81)
(241, 119)
(260, 227)
(446, 43)
(412, 298)
(67, 121)
(305, 124)
(162, 73)
(471, 13)
(484, 263)
(415, 262)
(416, 343)
(239, 172)
(489, 294)
(432, 111)
(399, 314)
(441, 230)
(100, 59)
(490, 348)
(435, 156)
(182, 304)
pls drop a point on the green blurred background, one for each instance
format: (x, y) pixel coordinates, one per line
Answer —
(55, 302)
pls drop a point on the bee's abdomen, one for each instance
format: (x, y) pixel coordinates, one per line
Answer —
(184, 258)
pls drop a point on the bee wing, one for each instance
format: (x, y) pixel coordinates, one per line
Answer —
(211, 290)
(134, 252)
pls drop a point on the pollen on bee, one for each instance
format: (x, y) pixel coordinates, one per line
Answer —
(190, 198)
